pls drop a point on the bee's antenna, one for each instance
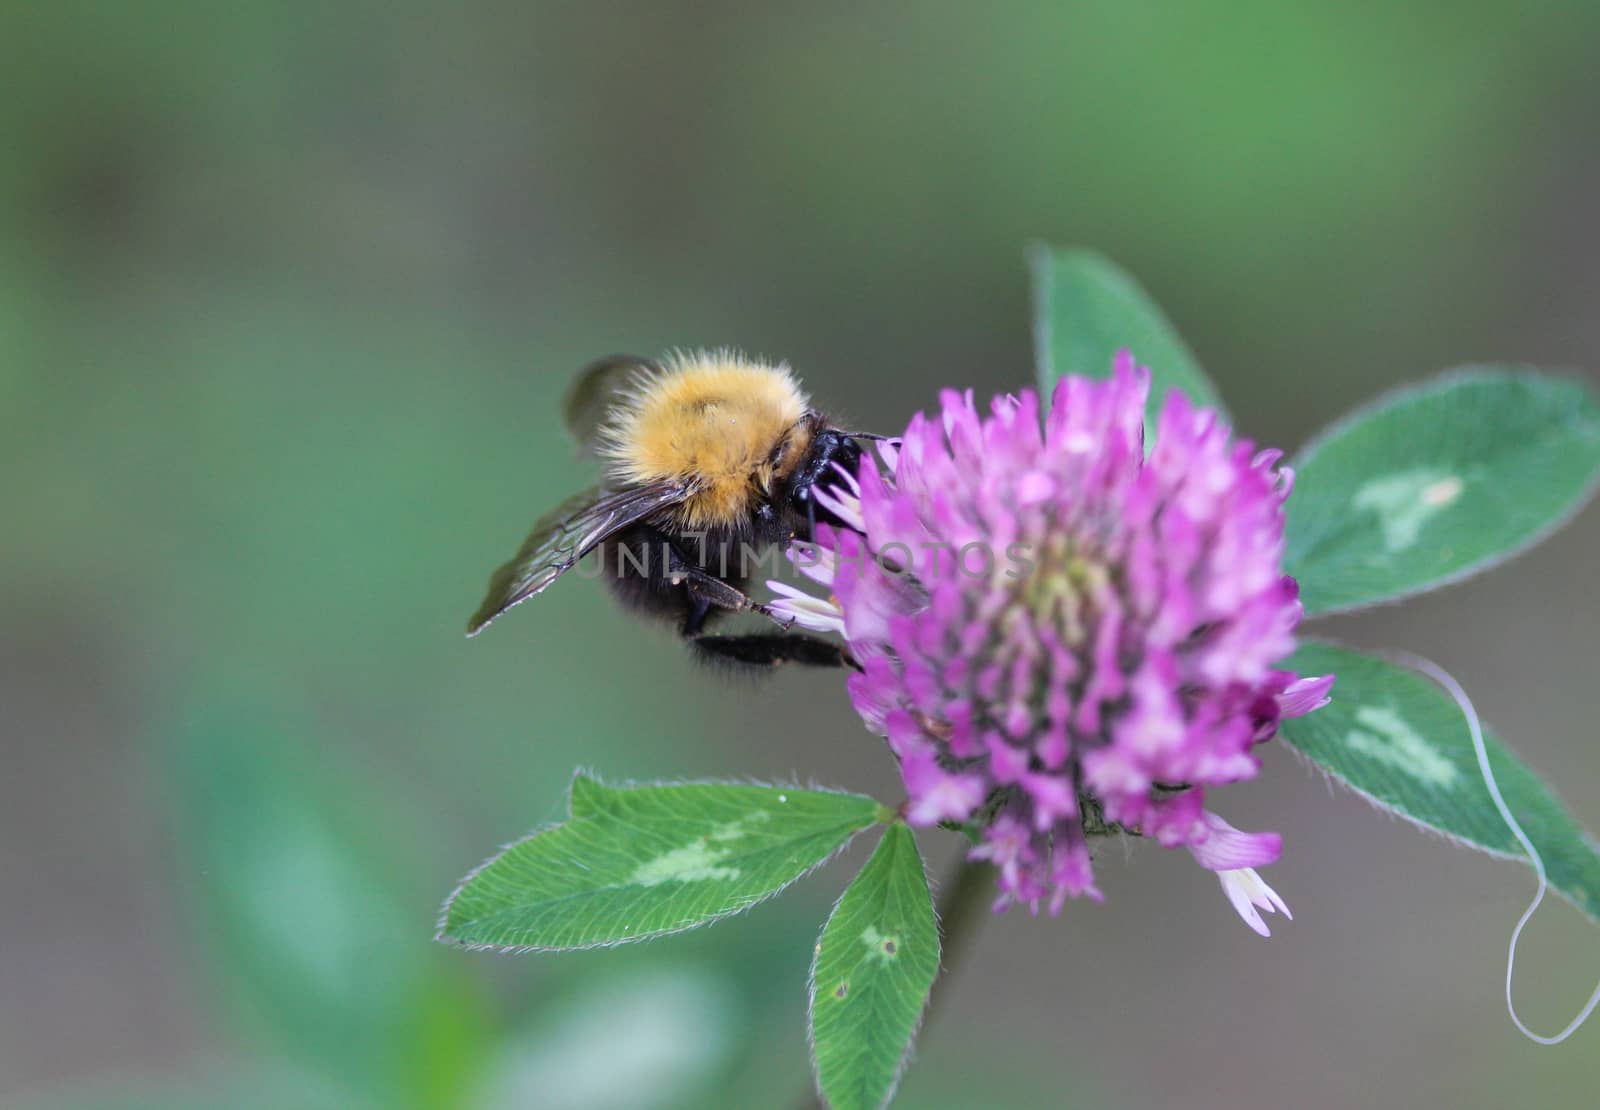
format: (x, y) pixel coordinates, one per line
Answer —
(869, 436)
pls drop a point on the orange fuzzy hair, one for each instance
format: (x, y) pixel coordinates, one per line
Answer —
(714, 419)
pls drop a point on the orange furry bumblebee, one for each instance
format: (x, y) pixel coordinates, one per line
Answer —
(710, 460)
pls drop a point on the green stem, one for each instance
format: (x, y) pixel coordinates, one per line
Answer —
(963, 907)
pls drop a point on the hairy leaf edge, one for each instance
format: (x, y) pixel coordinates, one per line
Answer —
(1038, 256)
(1472, 372)
(582, 774)
(909, 1051)
(1330, 775)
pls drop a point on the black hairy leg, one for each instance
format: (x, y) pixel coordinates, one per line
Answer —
(649, 571)
(773, 650)
(707, 592)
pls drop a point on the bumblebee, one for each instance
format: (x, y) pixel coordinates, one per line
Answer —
(710, 462)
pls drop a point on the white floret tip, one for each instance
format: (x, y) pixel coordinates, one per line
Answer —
(1248, 892)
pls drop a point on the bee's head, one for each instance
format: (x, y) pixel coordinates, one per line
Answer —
(809, 456)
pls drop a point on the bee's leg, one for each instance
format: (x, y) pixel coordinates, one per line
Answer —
(707, 592)
(694, 621)
(775, 650)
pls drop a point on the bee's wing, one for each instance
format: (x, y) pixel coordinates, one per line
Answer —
(563, 536)
(596, 390)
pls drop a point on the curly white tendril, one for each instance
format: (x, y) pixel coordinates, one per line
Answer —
(1443, 678)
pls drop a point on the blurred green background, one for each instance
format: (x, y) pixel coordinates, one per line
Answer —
(288, 294)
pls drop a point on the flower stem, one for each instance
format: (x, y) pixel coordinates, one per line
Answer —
(963, 907)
